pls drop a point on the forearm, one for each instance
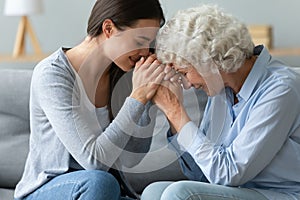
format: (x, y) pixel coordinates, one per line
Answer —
(138, 145)
(177, 118)
(79, 132)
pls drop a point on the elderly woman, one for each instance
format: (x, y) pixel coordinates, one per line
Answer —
(248, 143)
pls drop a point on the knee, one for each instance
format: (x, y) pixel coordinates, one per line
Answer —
(101, 183)
(99, 178)
(149, 191)
(175, 191)
(164, 191)
(154, 190)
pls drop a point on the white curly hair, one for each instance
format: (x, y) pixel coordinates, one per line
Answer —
(202, 35)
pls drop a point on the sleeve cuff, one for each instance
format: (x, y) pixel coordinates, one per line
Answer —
(129, 115)
(189, 138)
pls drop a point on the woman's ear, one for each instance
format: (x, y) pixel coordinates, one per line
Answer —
(108, 28)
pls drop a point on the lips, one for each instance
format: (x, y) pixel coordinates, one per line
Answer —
(198, 86)
(134, 59)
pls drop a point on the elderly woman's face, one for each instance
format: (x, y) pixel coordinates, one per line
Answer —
(190, 75)
(211, 84)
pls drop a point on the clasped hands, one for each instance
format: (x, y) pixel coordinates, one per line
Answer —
(160, 83)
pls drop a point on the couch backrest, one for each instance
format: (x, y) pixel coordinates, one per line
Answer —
(14, 124)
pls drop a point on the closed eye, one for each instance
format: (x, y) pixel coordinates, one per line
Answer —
(139, 44)
(182, 71)
(142, 45)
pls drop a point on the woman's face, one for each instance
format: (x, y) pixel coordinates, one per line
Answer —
(190, 74)
(128, 46)
(211, 83)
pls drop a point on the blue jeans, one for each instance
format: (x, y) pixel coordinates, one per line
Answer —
(194, 190)
(83, 185)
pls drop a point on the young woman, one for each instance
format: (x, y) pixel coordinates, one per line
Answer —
(76, 142)
(248, 143)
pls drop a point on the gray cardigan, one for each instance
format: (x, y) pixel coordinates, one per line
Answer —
(66, 132)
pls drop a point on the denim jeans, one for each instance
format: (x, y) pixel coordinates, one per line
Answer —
(83, 185)
(193, 190)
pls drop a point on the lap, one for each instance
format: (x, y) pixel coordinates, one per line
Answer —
(154, 191)
(194, 190)
(83, 184)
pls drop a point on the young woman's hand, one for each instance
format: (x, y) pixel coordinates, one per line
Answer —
(147, 76)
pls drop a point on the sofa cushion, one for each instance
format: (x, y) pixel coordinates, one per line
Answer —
(6, 194)
(14, 124)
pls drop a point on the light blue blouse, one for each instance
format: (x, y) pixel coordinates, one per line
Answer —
(254, 143)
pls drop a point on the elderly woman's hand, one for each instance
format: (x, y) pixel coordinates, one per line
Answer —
(168, 95)
(169, 98)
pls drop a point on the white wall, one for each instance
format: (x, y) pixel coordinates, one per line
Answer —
(283, 15)
(63, 22)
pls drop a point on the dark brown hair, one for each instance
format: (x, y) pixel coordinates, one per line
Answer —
(123, 13)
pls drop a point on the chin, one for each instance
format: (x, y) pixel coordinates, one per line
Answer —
(212, 93)
(126, 70)
(125, 67)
